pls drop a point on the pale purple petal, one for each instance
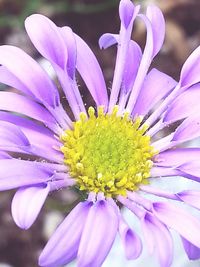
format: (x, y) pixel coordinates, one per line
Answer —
(163, 172)
(108, 39)
(25, 69)
(4, 155)
(188, 130)
(17, 103)
(190, 70)
(177, 157)
(155, 15)
(131, 241)
(190, 197)
(63, 245)
(86, 61)
(191, 250)
(11, 135)
(158, 238)
(27, 203)
(156, 86)
(98, 234)
(23, 173)
(126, 12)
(176, 218)
(184, 105)
(47, 39)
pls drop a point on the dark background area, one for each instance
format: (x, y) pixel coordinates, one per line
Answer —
(89, 19)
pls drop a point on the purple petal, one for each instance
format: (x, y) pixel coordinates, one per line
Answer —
(86, 61)
(158, 238)
(63, 245)
(188, 130)
(131, 241)
(191, 168)
(22, 173)
(157, 20)
(177, 157)
(27, 203)
(108, 39)
(46, 37)
(17, 103)
(192, 251)
(11, 135)
(42, 141)
(25, 69)
(190, 70)
(179, 220)
(184, 105)
(126, 12)
(157, 85)
(190, 197)
(98, 234)
(4, 155)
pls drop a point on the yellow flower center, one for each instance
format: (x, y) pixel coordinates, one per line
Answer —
(108, 153)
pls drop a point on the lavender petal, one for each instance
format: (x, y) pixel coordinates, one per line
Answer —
(63, 245)
(27, 203)
(102, 222)
(192, 251)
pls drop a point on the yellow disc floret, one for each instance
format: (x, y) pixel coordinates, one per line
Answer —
(108, 153)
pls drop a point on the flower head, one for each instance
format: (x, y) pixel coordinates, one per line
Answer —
(112, 152)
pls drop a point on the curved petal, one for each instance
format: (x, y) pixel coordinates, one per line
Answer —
(192, 251)
(27, 203)
(184, 105)
(98, 234)
(126, 12)
(190, 197)
(159, 239)
(108, 39)
(190, 70)
(25, 69)
(131, 242)
(17, 103)
(189, 129)
(11, 134)
(174, 217)
(86, 61)
(23, 173)
(157, 85)
(45, 36)
(156, 17)
(63, 245)
(177, 157)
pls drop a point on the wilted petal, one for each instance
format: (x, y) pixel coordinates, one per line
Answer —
(27, 203)
(191, 250)
(158, 238)
(131, 242)
(157, 85)
(178, 219)
(98, 235)
(63, 245)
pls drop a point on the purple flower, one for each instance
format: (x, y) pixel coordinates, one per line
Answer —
(112, 151)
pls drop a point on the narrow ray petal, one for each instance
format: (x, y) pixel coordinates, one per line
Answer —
(174, 217)
(98, 235)
(191, 250)
(63, 245)
(27, 203)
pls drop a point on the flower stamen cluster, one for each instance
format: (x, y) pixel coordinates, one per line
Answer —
(108, 153)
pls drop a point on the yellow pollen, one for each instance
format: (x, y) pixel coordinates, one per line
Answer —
(108, 153)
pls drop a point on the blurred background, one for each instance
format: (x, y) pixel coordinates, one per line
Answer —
(89, 19)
